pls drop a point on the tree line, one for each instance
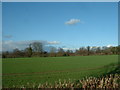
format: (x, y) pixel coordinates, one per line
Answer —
(35, 49)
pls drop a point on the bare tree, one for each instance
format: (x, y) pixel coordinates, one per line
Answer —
(37, 47)
(28, 51)
(88, 50)
(60, 52)
(53, 51)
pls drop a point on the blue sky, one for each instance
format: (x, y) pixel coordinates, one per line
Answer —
(69, 25)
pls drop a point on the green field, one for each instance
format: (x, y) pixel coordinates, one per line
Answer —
(19, 71)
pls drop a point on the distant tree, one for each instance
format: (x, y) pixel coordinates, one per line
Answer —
(98, 50)
(37, 47)
(60, 52)
(107, 50)
(113, 50)
(118, 50)
(88, 50)
(83, 51)
(18, 53)
(53, 51)
(28, 51)
(68, 52)
(45, 54)
(5, 54)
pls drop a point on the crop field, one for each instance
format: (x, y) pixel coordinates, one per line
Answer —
(20, 71)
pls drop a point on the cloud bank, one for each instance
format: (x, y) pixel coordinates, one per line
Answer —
(10, 45)
(72, 21)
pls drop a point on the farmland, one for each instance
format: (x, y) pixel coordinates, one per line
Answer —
(19, 71)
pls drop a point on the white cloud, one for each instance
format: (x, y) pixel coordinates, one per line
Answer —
(72, 21)
(111, 45)
(70, 49)
(10, 45)
(54, 42)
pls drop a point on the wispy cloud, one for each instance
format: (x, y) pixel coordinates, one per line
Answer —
(7, 36)
(10, 45)
(54, 42)
(72, 21)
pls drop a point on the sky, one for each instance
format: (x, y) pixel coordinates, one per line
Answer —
(65, 24)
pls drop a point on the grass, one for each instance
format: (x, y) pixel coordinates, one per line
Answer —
(19, 71)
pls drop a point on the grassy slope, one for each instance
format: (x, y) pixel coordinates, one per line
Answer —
(54, 68)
